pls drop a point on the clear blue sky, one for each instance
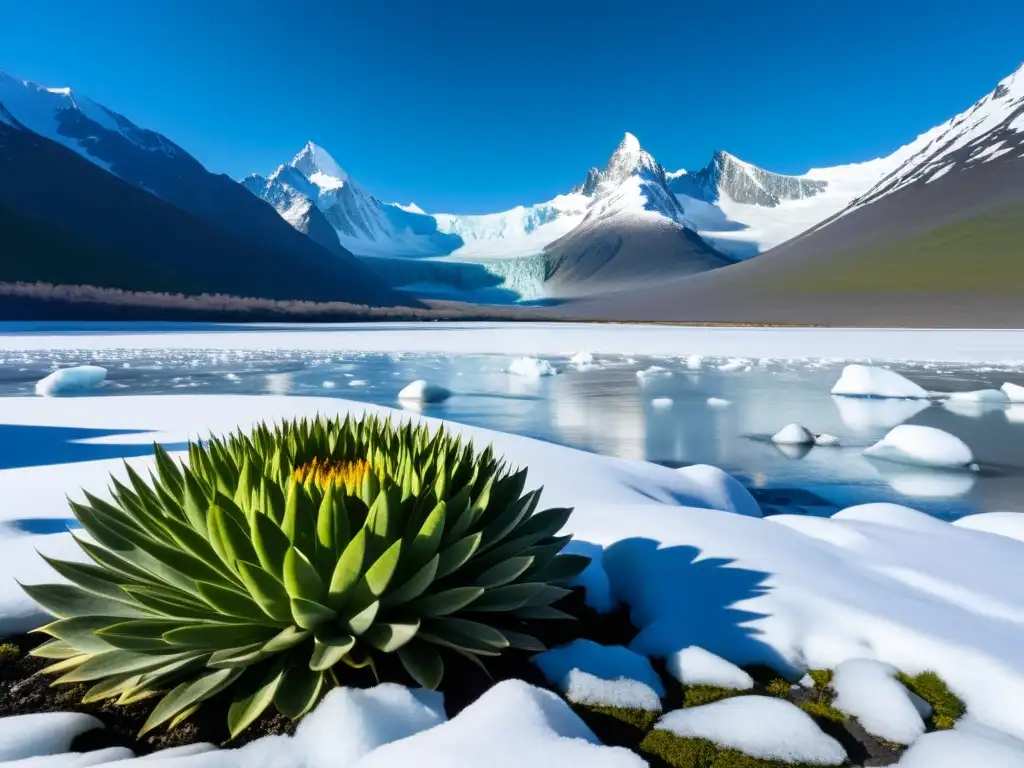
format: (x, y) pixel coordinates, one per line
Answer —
(478, 105)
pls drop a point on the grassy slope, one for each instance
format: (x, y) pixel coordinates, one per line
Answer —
(984, 254)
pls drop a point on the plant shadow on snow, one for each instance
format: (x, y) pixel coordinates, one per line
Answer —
(34, 446)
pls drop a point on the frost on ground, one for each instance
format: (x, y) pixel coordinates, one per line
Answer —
(869, 691)
(789, 591)
(590, 673)
(922, 446)
(662, 403)
(67, 380)
(793, 434)
(421, 391)
(696, 666)
(871, 381)
(531, 368)
(759, 726)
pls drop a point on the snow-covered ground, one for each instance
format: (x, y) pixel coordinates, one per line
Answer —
(534, 339)
(685, 551)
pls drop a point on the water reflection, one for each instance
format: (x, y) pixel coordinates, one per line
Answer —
(865, 415)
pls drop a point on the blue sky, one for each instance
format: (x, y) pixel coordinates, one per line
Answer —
(479, 105)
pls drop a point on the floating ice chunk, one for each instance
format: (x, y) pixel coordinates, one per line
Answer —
(720, 490)
(759, 726)
(662, 402)
(73, 379)
(826, 439)
(694, 362)
(1008, 524)
(584, 688)
(654, 370)
(357, 383)
(232, 377)
(922, 446)
(719, 402)
(958, 748)
(793, 434)
(696, 666)
(531, 368)
(583, 357)
(328, 385)
(868, 690)
(871, 381)
(980, 396)
(606, 662)
(1014, 392)
(45, 733)
(733, 365)
(512, 725)
(421, 391)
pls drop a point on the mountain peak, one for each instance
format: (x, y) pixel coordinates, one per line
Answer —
(629, 143)
(314, 160)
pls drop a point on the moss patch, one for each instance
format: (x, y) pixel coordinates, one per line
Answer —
(698, 695)
(946, 707)
(778, 687)
(9, 652)
(617, 726)
(664, 748)
(822, 677)
(823, 709)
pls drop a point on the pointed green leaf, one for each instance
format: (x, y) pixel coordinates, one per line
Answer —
(80, 632)
(508, 598)
(458, 554)
(417, 584)
(423, 663)
(270, 544)
(360, 622)
(66, 601)
(270, 593)
(503, 573)
(348, 570)
(187, 695)
(298, 692)
(214, 636)
(300, 577)
(326, 655)
(309, 614)
(390, 636)
(446, 602)
(250, 704)
(231, 602)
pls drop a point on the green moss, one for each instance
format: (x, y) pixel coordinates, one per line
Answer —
(641, 719)
(9, 652)
(946, 707)
(665, 748)
(778, 687)
(823, 709)
(822, 677)
(698, 695)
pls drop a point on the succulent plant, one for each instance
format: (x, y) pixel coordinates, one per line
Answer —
(274, 561)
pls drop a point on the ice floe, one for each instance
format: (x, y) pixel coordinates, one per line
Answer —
(422, 391)
(531, 368)
(922, 446)
(718, 402)
(793, 434)
(872, 381)
(68, 380)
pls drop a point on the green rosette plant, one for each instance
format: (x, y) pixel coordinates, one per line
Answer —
(275, 560)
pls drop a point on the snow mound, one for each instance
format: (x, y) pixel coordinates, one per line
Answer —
(759, 726)
(718, 402)
(1014, 392)
(605, 662)
(662, 402)
(70, 380)
(421, 391)
(793, 434)
(1008, 524)
(583, 357)
(826, 439)
(584, 688)
(922, 446)
(531, 368)
(868, 690)
(695, 666)
(654, 370)
(511, 726)
(694, 362)
(958, 749)
(46, 733)
(892, 516)
(980, 396)
(871, 381)
(720, 490)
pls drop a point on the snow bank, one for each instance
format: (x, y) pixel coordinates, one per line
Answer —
(1008, 524)
(869, 691)
(1014, 392)
(421, 391)
(582, 687)
(826, 439)
(604, 662)
(793, 434)
(959, 749)
(46, 733)
(531, 368)
(922, 446)
(662, 403)
(871, 381)
(720, 490)
(696, 666)
(759, 726)
(74, 379)
(718, 402)
(512, 725)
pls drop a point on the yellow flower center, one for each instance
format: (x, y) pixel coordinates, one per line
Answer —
(327, 472)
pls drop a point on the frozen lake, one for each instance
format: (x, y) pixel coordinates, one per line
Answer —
(606, 408)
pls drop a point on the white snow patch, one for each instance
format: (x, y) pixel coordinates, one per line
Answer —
(74, 379)
(871, 381)
(794, 434)
(422, 391)
(960, 749)
(720, 490)
(531, 368)
(694, 362)
(759, 726)
(696, 666)
(45, 733)
(654, 370)
(1008, 524)
(1014, 392)
(868, 690)
(605, 662)
(980, 396)
(584, 688)
(922, 446)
